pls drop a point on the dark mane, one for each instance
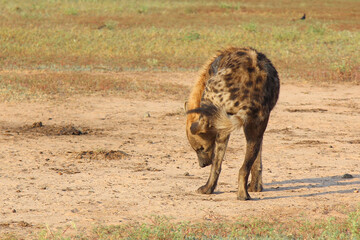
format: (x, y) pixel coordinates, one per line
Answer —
(205, 109)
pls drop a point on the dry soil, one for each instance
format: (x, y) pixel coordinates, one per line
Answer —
(112, 160)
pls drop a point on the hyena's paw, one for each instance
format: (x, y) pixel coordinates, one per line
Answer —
(255, 187)
(243, 196)
(205, 190)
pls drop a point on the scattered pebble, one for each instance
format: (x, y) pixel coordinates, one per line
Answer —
(356, 191)
(24, 224)
(37, 125)
(346, 175)
(187, 174)
(14, 210)
(75, 210)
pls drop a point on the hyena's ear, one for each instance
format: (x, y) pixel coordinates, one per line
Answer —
(186, 106)
(196, 128)
(199, 127)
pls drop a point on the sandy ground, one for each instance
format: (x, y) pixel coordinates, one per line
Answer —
(135, 162)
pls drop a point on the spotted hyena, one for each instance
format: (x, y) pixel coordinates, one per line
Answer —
(238, 87)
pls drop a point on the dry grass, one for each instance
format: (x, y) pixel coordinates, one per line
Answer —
(22, 85)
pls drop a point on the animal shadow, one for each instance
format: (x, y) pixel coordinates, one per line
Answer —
(313, 183)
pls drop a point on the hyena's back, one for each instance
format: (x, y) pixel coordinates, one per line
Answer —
(242, 80)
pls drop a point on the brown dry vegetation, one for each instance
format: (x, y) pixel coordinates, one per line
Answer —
(34, 84)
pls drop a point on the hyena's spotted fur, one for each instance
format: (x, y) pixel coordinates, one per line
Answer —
(238, 87)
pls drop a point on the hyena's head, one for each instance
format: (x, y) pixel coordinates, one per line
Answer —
(201, 135)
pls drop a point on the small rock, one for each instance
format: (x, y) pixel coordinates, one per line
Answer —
(14, 210)
(70, 130)
(37, 125)
(346, 175)
(24, 224)
(187, 174)
(147, 115)
(356, 191)
(75, 210)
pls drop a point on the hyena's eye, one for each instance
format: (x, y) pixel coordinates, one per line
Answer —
(200, 149)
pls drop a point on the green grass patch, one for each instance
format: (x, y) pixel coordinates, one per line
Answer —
(164, 228)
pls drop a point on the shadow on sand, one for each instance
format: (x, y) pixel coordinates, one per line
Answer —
(313, 183)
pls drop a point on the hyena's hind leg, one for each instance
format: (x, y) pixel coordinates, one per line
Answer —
(254, 132)
(256, 184)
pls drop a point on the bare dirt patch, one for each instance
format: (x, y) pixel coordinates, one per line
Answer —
(307, 110)
(108, 155)
(39, 129)
(139, 163)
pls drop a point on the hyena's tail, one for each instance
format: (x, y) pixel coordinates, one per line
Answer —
(226, 123)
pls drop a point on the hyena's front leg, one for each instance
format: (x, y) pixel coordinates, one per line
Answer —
(218, 155)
